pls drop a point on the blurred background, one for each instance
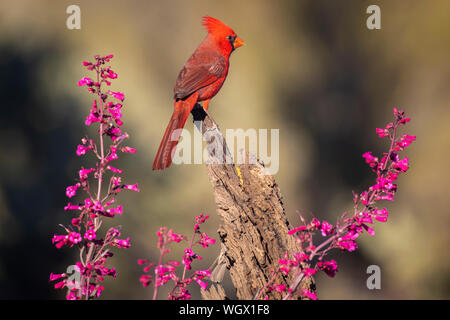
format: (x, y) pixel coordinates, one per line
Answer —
(309, 68)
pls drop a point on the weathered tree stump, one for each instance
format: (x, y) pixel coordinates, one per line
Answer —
(254, 229)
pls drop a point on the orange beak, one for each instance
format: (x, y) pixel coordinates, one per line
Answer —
(238, 42)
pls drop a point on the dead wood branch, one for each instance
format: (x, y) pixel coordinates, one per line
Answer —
(254, 229)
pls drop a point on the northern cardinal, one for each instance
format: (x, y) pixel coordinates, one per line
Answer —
(200, 79)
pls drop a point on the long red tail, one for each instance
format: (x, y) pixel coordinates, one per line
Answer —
(181, 111)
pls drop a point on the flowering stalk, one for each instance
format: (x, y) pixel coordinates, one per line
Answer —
(167, 271)
(342, 236)
(83, 279)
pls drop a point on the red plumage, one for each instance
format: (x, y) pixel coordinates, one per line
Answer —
(200, 79)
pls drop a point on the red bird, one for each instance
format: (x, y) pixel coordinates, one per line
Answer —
(200, 79)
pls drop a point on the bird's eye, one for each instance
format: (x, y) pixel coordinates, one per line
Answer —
(231, 39)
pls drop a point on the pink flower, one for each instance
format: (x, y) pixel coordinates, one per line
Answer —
(117, 95)
(74, 237)
(114, 133)
(202, 273)
(83, 173)
(98, 206)
(175, 237)
(72, 190)
(118, 210)
(115, 170)
(85, 81)
(200, 220)
(205, 241)
(188, 257)
(405, 141)
(92, 117)
(114, 232)
(326, 229)
(382, 132)
(329, 267)
(308, 272)
(348, 245)
(112, 74)
(370, 159)
(308, 294)
(128, 150)
(301, 257)
(54, 277)
(81, 150)
(202, 284)
(402, 165)
(280, 287)
(122, 243)
(301, 228)
(116, 181)
(115, 112)
(133, 187)
(90, 234)
(381, 215)
(404, 121)
(72, 207)
(369, 230)
(145, 280)
(315, 224)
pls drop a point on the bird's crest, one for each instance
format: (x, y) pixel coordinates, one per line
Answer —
(216, 26)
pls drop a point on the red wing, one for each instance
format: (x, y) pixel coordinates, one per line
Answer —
(202, 69)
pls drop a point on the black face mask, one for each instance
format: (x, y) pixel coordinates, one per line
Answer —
(231, 40)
